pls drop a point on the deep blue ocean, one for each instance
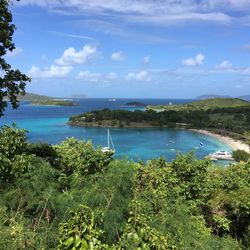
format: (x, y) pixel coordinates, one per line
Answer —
(49, 124)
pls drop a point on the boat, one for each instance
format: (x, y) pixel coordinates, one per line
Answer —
(110, 148)
(221, 155)
(112, 100)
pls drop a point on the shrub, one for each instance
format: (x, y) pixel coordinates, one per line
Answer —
(241, 155)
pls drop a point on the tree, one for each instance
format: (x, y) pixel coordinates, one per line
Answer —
(241, 155)
(12, 82)
(13, 157)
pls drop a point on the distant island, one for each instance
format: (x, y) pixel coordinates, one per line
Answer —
(204, 97)
(54, 103)
(135, 104)
(42, 100)
(79, 96)
(245, 97)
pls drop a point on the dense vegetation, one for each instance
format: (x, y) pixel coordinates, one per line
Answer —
(241, 155)
(212, 103)
(72, 195)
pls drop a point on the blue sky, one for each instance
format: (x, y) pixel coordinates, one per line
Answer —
(133, 48)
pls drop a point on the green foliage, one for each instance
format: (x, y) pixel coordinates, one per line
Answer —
(13, 157)
(44, 150)
(241, 155)
(192, 177)
(28, 209)
(79, 232)
(12, 141)
(80, 156)
(228, 208)
(12, 82)
(139, 235)
(109, 196)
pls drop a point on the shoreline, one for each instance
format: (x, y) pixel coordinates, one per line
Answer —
(234, 144)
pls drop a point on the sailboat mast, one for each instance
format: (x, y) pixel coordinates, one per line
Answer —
(108, 138)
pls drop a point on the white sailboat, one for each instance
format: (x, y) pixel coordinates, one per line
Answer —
(110, 148)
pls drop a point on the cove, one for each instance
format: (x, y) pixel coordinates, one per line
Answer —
(49, 124)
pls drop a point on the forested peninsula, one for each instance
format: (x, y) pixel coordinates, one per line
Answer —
(230, 117)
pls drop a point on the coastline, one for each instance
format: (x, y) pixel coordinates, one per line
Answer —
(234, 144)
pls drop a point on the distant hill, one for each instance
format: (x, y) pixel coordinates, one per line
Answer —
(205, 104)
(35, 97)
(204, 97)
(245, 97)
(79, 96)
(219, 103)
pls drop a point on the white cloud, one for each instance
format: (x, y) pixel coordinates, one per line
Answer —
(171, 18)
(154, 11)
(112, 76)
(14, 52)
(140, 76)
(225, 65)
(53, 72)
(118, 56)
(71, 56)
(146, 60)
(88, 76)
(198, 60)
(72, 35)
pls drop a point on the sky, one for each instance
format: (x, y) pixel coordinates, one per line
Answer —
(133, 48)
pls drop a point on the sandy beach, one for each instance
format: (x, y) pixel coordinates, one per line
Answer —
(234, 144)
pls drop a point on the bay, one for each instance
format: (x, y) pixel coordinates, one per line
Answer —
(49, 124)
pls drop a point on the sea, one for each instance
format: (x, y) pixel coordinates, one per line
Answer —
(49, 124)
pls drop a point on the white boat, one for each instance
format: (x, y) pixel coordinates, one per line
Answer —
(110, 148)
(221, 155)
(112, 100)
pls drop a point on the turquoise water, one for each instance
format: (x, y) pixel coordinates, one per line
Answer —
(49, 124)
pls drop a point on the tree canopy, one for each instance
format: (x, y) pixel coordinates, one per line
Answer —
(12, 81)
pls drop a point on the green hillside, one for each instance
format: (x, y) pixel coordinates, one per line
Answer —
(34, 97)
(219, 103)
(205, 104)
